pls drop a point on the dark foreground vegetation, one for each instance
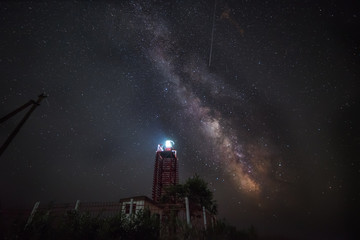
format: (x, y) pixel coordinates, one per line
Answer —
(142, 225)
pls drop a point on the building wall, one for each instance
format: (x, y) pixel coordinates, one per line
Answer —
(140, 203)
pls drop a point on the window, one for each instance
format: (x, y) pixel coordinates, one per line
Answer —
(127, 208)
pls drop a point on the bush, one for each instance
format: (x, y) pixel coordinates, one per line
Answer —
(74, 225)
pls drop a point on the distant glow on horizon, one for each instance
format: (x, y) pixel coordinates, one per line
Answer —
(169, 143)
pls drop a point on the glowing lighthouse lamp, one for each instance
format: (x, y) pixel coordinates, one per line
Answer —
(169, 145)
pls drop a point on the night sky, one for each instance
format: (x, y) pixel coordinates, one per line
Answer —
(265, 111)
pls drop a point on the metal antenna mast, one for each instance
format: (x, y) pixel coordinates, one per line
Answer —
(21, 123)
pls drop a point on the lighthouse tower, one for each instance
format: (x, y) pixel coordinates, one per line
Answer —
(166, 170)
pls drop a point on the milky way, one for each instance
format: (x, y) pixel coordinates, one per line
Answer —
(246, 163)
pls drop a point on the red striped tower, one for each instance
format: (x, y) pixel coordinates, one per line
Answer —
(165, 171)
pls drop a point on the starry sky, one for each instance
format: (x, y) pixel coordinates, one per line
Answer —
(260, 98)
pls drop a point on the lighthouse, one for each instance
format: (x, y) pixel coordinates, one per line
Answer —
(166, 172)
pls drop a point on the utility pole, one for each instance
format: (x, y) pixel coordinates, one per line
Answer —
(21, 123)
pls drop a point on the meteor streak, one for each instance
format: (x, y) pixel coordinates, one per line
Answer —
(212, 34)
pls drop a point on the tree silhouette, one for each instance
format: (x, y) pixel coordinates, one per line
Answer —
(196, 189)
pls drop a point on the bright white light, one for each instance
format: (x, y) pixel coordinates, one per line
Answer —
(169, 143)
